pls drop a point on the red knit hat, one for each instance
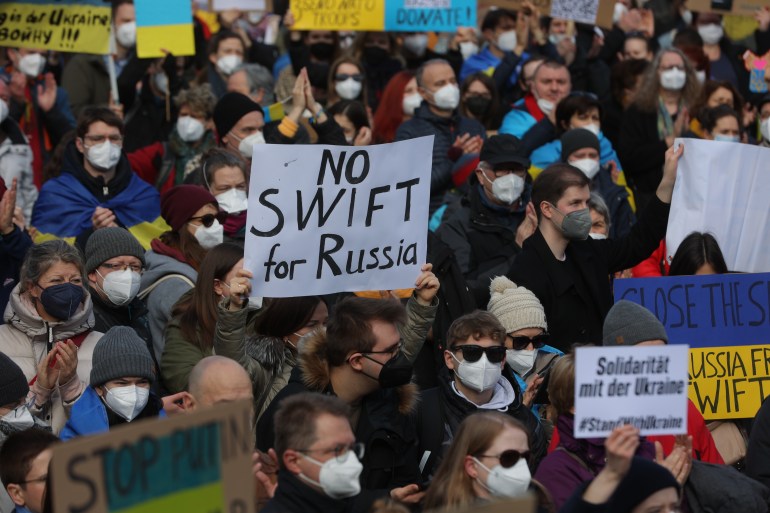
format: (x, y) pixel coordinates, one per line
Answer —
(180, 203)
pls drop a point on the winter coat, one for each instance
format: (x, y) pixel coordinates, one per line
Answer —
(270, 361)
(483, 239)
(576, 294)
(386, 424)
(134, 315)
(26, 338)
(445, 131)
(441, 411)
(13, 249)
(758, 453)
(162, 298)
(618, 202)
(90, 416)
(641, 150)
(6, 430)
(16, 162)
(576, 461)
(179, 357)
(86, 80)
(524, 115)
(295, 496)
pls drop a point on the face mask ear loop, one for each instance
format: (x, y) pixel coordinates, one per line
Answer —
(205, 178)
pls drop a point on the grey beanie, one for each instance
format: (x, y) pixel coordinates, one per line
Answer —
(107, 243)
(628, 324)
(121, 353)
(13, 384)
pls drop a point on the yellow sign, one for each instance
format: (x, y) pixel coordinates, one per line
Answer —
(75, 26)
(338, 14)
(729, 382)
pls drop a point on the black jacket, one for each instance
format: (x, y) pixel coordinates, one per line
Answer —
(13, 249)
(133, 315)
(576, 294)
(442, 410)
(641, 151)
(622, 216)
(294, 496)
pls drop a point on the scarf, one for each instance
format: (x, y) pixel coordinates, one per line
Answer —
(665, 121)
(183, 152)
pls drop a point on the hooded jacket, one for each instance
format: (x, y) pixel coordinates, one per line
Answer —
(161, 299)
(26, 338)
(386, 422)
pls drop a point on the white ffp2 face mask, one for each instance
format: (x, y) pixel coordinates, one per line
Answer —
(338, 479)
(3, 110)
(410, 103)
(589, 167)
(126, 34)
(673, 79)
(246, 146)
(128, 401)
(189, 128)
(32, 64)
(507, 482)
(507, 41)
(468, 49)
(447, 97)
(228, 63)
(233, 201)
(121, 287)
(211, 236)
(521, 361)
(19, 418)
(507, 188)
(348, 89)
(480, 375)
(104, 156)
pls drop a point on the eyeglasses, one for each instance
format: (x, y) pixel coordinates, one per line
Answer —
(472, 353)
(340, 451)
(507, 458)
(122, 267)
(390, 350)
(521, 342)
(98, 139)
(41, 479)
(341, 77)
(208, 219)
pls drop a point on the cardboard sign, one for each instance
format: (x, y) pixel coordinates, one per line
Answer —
(165, 25)
(196, 463)
(63, 25)
(338, 14)
(745, 7)
(723, 188)
(429, 15)
(326, 219)
(645, 386)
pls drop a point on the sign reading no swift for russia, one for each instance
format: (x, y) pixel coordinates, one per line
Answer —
(326, 219)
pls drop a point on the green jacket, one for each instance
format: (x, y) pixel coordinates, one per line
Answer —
(179, 357)
(269, 361)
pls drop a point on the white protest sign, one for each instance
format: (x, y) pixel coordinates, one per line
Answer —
(244, 5)
(724, 189)
(583, 11)
(641, 385)
(326, 219)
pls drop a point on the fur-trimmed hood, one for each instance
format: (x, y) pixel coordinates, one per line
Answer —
(316, 376)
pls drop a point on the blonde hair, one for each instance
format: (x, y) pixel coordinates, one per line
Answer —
(452, 487)
(561, 385)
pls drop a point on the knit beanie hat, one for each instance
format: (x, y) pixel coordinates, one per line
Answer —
(577, 139)
(230, 109)
(121, 353)
(179, 204)
(515, 307)
(13, 384)
(109, 243)
(628, 324)
(644, 478)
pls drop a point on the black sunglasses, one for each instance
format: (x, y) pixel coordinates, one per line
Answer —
(472, 353)
(521, 342)
(209, 219)
(508, 458)
(341, 77)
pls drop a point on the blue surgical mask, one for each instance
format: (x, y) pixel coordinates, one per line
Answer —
(727, 138)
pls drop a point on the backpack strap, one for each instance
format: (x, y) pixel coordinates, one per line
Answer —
(146, 292)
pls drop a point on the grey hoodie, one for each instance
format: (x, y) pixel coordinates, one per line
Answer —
(163, 297)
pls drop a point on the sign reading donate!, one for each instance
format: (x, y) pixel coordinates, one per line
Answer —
(326, 219)
(642, 386)
(63, 25)
(192, 463)
(726, 321)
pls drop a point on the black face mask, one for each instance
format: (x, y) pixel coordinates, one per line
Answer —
(375, 54)
(395, 372)
(62, 301)
(322, 51)
(478, 105)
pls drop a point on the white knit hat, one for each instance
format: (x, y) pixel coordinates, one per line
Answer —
(515, 307)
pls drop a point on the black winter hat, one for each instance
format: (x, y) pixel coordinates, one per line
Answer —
(644, 478)
(230, 109)
(13, 384)
(121, 353)
(577, 139)
(503, 149)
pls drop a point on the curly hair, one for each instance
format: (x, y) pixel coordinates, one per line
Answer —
(200, 99)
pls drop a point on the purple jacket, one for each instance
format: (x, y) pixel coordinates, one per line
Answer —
(561, 473)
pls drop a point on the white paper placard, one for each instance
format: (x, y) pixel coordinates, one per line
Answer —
(327, 219)
(641, 385)
(243, 5)
(723, 188)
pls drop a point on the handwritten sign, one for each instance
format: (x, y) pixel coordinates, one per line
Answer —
(67, 26)
(429, 15)
(642, 386)
(326, 219)
(338, 14)
(196, 463)
(165, 25)
(583, 11)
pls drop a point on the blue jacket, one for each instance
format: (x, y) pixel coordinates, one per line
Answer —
(88, 416)
(486, 62)
(518, 120)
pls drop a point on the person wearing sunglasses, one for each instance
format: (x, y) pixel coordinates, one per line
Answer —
(193, 214)
(474, 378)
(487, 460)
(526, 341)
(347, 81)
(24, 460)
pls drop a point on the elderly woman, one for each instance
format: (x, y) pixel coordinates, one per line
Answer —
(47, 330)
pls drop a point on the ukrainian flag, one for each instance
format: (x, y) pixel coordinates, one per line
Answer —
(274, 112)
(64, 209)
(164, 25)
